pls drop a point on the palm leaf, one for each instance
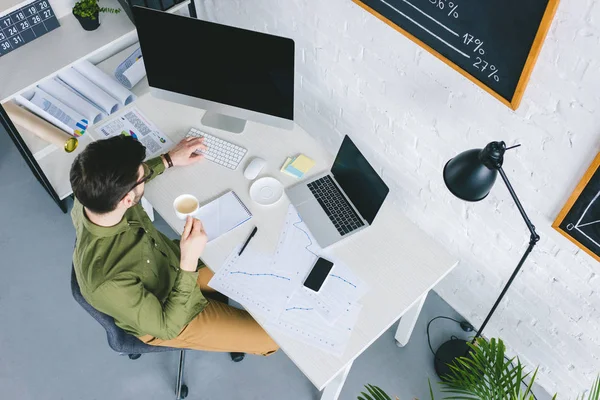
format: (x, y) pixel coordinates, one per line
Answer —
(486, 374)
(375, 393)
(594, 393)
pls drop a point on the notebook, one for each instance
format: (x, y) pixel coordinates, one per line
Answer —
(222, 215)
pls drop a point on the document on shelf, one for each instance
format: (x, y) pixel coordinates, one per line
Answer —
(132, 122)
(54, 111)
(105, 82)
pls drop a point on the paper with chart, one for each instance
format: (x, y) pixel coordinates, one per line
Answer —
(341, 289)
(298, 251)
(300, 321)
(270, 285)
(248, 280)
(132, 122)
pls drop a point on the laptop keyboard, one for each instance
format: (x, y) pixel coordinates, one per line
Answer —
(336, 206)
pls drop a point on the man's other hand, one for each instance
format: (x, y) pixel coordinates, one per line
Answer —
(193, 241)
(184, 152)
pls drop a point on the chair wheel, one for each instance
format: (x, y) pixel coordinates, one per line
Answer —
(134, 356)
(184, 392)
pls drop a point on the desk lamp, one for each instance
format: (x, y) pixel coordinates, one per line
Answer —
(470, 177)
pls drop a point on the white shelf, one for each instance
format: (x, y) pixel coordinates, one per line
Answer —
(10, 5)
(45, 56)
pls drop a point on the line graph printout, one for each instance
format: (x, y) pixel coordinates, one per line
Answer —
(300, 321)
(249, 280)
(271, 285)
(297, 250)
(340, 290)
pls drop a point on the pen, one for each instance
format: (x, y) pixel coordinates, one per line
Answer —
(248, 240)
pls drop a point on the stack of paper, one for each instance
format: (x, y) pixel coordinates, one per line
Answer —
(297, 166)
(272, 286)
(77, 97)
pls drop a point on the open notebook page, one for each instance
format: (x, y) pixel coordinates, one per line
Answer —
(222, 215)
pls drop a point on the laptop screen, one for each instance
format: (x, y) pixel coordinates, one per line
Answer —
(359, 181)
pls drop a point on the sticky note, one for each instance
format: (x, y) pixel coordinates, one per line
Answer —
(302, 163)
(286, 163)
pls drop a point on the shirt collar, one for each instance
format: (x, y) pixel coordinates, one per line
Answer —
(128, 221)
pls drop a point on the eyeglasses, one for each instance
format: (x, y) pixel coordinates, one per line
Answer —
(148, 172)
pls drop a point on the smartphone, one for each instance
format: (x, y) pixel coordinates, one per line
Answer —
(317, 276)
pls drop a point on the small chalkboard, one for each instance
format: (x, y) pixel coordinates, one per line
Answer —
(25, 25)
(579, 220)
(494, 44)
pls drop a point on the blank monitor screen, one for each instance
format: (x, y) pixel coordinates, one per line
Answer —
(359, 180)
(227, 65)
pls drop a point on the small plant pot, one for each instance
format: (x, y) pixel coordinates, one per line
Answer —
(88, 23)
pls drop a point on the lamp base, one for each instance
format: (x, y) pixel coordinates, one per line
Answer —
(447, 353)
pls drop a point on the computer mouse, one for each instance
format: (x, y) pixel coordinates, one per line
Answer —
(254, 168)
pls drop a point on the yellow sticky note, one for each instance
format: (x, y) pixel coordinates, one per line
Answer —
(286, 163)
(303, 163)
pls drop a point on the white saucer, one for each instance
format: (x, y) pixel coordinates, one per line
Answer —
(266, 191)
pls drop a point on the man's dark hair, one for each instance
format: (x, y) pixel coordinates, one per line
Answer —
(105, 172)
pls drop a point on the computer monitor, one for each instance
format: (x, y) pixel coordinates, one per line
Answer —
(234, 74)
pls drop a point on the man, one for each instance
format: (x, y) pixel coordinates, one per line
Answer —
(153, 287)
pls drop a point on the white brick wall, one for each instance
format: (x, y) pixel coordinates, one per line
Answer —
(410, 113)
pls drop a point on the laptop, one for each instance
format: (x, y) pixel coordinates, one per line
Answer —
(342, 202)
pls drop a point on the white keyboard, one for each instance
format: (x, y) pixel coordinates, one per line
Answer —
(219, 151)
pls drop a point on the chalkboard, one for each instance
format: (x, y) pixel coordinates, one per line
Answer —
(495, 44)
(579, 220)
(26, 24)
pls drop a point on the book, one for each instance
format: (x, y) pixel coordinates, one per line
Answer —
(222, 215)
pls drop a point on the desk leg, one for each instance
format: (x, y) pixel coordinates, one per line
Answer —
(408, 322)
(333, 390)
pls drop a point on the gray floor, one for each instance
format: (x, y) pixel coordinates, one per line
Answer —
(51, 349)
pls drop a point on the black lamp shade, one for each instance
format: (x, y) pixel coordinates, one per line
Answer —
(467, 177)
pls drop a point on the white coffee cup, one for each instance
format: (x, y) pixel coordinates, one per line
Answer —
(186, 205)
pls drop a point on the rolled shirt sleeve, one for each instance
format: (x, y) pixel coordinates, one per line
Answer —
(157, 165)
(126, 299)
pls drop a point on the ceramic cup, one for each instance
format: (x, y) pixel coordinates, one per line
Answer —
(185, 205)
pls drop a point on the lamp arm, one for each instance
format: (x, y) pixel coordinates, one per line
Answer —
(510, 280)
(534, 238)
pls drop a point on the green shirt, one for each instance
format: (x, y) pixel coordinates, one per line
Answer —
(131, 272)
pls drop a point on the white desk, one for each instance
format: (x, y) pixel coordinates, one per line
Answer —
(398, 261)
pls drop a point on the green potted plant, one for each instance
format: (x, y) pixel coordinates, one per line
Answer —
(87, 13)
(486, 374)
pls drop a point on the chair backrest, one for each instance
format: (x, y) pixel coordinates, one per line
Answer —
(118, 340)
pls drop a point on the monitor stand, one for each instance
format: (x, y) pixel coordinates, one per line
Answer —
(223, 122)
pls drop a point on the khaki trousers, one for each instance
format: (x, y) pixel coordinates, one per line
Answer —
(219, 327)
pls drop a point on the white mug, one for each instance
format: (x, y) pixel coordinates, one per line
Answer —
(186, 205)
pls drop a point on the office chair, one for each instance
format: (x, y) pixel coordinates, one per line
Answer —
(124, 343)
